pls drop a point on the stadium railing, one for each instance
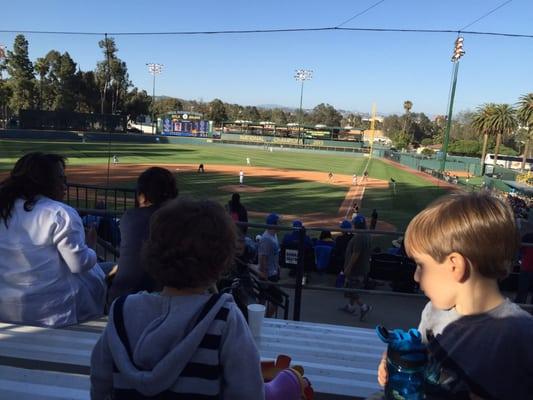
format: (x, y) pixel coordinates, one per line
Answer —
(121, 199)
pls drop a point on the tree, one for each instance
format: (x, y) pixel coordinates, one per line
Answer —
(353, 120)
(217, 112)
(392, 125)
(279, 116)
(502, 121)
(464, 147)
(251, 114)
(89, 92)
(137, 103)
(481, 123)
(67, 83)
(401, 140)
(407, 105)
(41, 67)
(525, 116)
(166, 105)
(20, 69)
(326, 114)
(112, 78)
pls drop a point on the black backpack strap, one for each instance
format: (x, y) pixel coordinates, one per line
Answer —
(118, 320)
(207, 307)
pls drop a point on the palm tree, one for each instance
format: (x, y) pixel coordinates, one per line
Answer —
(407, 105)
(525, 116)
(41, 66)
(480, 123)
(502, 121)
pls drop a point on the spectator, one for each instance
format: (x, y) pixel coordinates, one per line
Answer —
(373, 219)
(181, 342)
(238, 211)
(90, 220)
(269, 251)
(48, 270)
(525, 280)
(155, 186)
(479, 343)
(325, 239)
(341, 243)
(356, 266)
(397, 248)
(292, 239)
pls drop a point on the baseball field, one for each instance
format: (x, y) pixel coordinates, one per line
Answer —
(292, 183)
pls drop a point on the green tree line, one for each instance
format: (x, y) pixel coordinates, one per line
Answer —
(55, 82)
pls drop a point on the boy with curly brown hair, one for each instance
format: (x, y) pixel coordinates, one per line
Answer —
(180, 343)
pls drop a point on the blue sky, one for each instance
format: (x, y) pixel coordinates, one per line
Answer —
(352, 70)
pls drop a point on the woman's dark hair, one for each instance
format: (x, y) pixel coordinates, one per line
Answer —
(191, 243)
(157, 184)
(33, 174)
(325, 235)
(235, 202)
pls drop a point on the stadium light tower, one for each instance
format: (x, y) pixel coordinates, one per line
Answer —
(154, 69)
(302, 75)
(458, 52)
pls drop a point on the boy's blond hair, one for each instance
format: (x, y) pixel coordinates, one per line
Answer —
(478, 226)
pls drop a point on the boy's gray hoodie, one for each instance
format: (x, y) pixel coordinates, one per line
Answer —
(217, 357)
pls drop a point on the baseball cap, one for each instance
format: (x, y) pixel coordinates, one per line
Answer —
(272, 219)
(346, 224)
(359, 222)
(297, 224)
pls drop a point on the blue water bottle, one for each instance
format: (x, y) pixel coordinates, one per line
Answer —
(406, 363)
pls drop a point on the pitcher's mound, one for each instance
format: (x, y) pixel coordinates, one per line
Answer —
(241, 189)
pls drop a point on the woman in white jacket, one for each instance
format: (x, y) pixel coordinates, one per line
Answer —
(48, 274)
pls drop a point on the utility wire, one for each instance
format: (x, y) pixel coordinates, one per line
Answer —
(331, 28)
(486, 15)
(360, 13)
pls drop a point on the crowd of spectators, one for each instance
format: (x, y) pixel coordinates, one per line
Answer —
(162, 295)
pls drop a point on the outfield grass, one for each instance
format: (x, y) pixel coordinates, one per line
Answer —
(412, 195)
(282, 196)
(97, 153)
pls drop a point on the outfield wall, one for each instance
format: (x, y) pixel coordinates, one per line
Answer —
(70, 136)
(276, 140)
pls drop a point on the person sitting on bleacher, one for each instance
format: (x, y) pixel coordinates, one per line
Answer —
(181, 342)
(155, 186)
(292, 239)
(48, 270)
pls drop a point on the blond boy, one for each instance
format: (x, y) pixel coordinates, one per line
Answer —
(479, 342)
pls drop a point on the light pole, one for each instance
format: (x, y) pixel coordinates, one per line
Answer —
(302, 75)
(458, 52)
(154, 69)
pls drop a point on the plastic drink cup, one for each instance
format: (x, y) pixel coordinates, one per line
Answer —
(256, 314)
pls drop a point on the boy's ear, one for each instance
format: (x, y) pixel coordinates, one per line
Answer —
(458, 266)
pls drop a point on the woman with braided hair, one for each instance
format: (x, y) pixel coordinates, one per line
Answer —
(48, 270)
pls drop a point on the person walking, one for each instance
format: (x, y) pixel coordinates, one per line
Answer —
(373, 219)
(241, 177)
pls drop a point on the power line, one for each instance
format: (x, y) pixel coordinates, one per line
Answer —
(486, 15)
(360, 13)
(286, 30)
